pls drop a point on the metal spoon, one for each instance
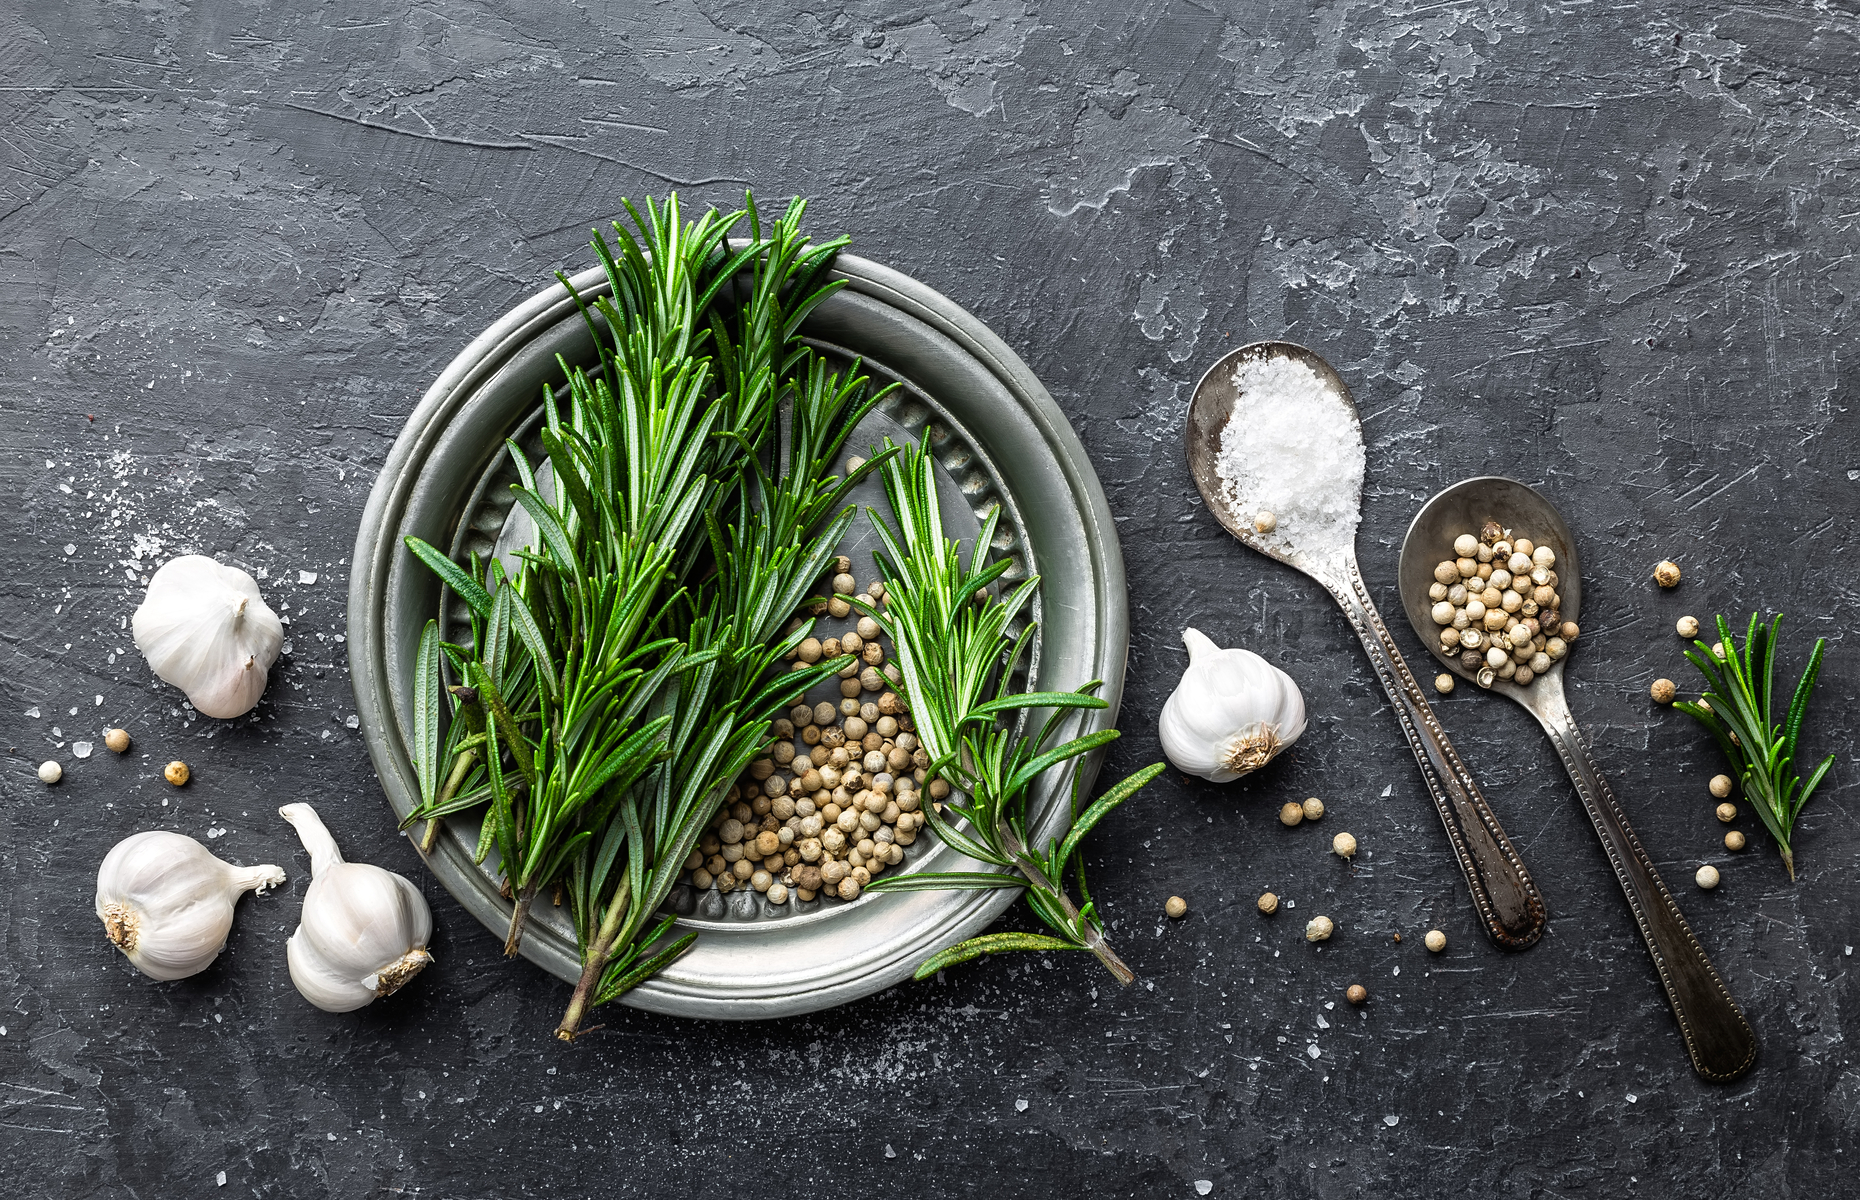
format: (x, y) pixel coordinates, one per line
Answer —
(1717, 1036)
(1508, 903)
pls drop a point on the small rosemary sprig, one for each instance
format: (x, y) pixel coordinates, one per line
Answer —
(956, 661)
(1736, 708)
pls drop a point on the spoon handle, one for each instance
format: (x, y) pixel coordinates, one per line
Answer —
(1718, 1038)
(1508, 902)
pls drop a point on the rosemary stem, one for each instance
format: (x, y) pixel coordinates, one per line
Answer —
(518, 915)
(456, 780)
(594, 962)
(1087, 933)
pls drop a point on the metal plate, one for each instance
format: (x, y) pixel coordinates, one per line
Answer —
(997, 436)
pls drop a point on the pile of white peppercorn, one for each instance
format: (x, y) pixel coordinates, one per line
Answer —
(1498, 608)
(840, 792)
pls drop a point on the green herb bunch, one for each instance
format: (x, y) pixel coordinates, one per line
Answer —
(1737, 708)
(956, 663)
(617, 684)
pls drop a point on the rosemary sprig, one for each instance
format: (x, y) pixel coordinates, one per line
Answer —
(956, 661)
(1737, 710)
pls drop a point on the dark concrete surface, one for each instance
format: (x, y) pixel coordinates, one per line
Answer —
(1606, 248)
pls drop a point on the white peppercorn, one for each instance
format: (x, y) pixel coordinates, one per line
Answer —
(1443, 683)
(1313, 808)
(1687, 627)
(1435, 940)
(1318, 929)
(1720, 786)
(1292, 813)
(1707, 877)
(50, 771)
(1343, 846)
(1268, 904)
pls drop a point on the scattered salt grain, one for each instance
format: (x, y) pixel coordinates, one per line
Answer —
(81, 749)
(1632, 1098)
(1020, 1106)
(353, 721)
(1203, 1186)
(70, 548)
(1391, 1120)
(215, 833)
(220, 1179)
(306, 577)
(1292, 446)
(33, 712)
(1313, 1051)
(889, 1152)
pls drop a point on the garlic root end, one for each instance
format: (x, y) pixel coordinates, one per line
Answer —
(121, 925)
(397, 974)
(1252, 749)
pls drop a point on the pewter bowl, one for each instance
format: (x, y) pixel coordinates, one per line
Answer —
(997, 436)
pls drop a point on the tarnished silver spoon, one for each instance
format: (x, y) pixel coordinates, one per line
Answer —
(1507, 902)
(1718, 1038)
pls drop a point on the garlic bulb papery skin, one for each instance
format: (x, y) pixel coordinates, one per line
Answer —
(205, 629)
(364, 930)
(1232, 713)
(167, 902)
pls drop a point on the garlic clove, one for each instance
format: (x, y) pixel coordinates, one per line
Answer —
(167, 903)
(1232, 712)
(364, 930)
(204, 628)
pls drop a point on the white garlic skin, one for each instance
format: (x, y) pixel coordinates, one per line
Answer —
(364, 930)
(205, 629)
(167, 902)
(1233, 712)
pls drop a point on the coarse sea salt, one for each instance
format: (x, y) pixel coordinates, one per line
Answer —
(1292, 447)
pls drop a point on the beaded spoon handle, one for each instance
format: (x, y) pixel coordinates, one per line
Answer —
(1717, 1037)
(1510, 908)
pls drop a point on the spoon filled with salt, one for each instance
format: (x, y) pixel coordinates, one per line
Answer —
(1717, 1036)
(1275, 446)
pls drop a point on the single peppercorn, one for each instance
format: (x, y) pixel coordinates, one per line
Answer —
(1720, 786)
(1443, 683)
(116, 739)
(1734, 840)
(1686, 627)
(1667, 574)
(1727, 812)
(1663, 691)
(1436, 940)
(1319, 928)
(1265, 522)
(1268, 904)
(50, 771)
(1314, 808)
(1176, 907)
(1356, 994)
(1292, 813)
(175, 772)
(1707, 877)
(1343, 846)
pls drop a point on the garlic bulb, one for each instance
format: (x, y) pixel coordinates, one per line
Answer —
(167, 902)
(205, 629)
(1232, 712)
(364, 930)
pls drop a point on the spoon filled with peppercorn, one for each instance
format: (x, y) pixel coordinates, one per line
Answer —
(1491, 581)
(1276, 448)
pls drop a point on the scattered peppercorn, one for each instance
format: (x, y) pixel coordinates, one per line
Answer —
(1443, 683)
(1357, 993)
(1727, 812)
(1734, 840)
(1686, 627)
(1317, 929)
(1292, 813)
(50, 771)
(1664, 690)
(1707, 877)
(1667, 574)
(1268, 904)
(1720, 786)
(1436, 940)
(1176, 907)
(1343, 846)
(1265, 522)
(116, 739)
(175, 772)
(1314, 808)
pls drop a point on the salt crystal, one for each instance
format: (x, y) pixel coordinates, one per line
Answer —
(1203, 1186)
(306, 577)
(889, 1152)
(1313, 1051)
(353, 721)
(70, 548)
(1020, 1106)
(1391, 1120)
(1388, 791)
(1292, 446)
(1632, 1098)
(215, 832)
(220, 1179)
(82, 749)
(33, 712)
(99, 702)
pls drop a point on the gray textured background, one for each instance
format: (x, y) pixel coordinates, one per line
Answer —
(1602, 249)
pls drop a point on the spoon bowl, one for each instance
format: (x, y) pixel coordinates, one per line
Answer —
(1718, 1039)
(1316, 534)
